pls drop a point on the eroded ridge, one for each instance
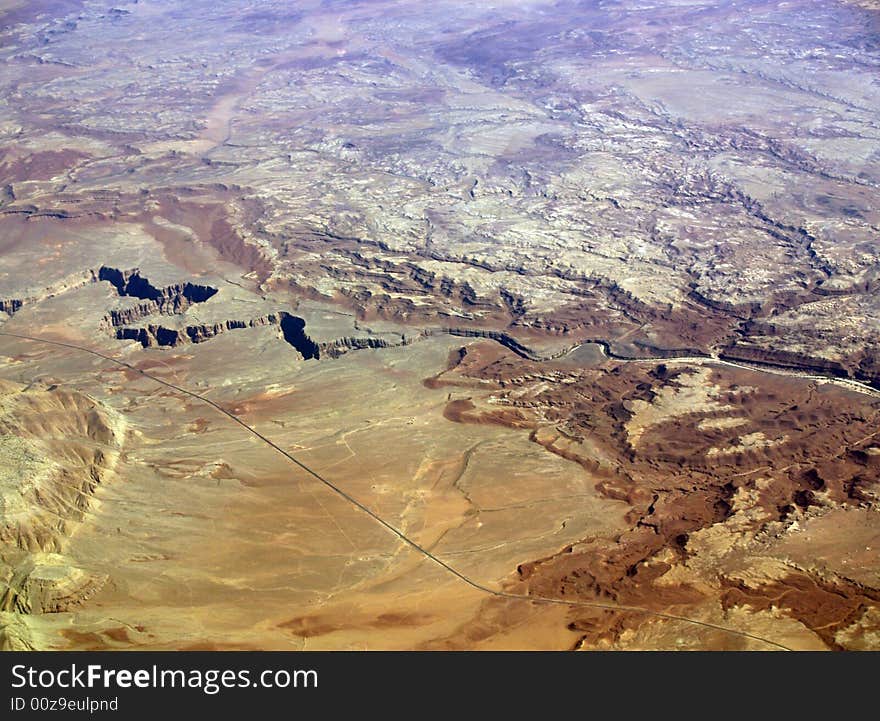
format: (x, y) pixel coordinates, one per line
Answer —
(57, 447)
(727, 479)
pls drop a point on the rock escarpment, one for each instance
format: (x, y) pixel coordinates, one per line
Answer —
(174, 300)
(170, 299)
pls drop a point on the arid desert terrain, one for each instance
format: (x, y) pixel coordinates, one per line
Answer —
(400, 325)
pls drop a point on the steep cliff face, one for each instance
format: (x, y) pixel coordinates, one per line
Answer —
(174, 300)
(128, 283)
(158, 335)
(867, 371)
(126, 316)
(10, 305)
(171, 299)
(341, 346)
(293, 330)
(498, 336)
(784, 359)
(168, 300)
(78, 279)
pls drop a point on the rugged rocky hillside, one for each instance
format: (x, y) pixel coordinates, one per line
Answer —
(57, 447)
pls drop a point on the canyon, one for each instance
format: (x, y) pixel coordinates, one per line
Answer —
(552, 325)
